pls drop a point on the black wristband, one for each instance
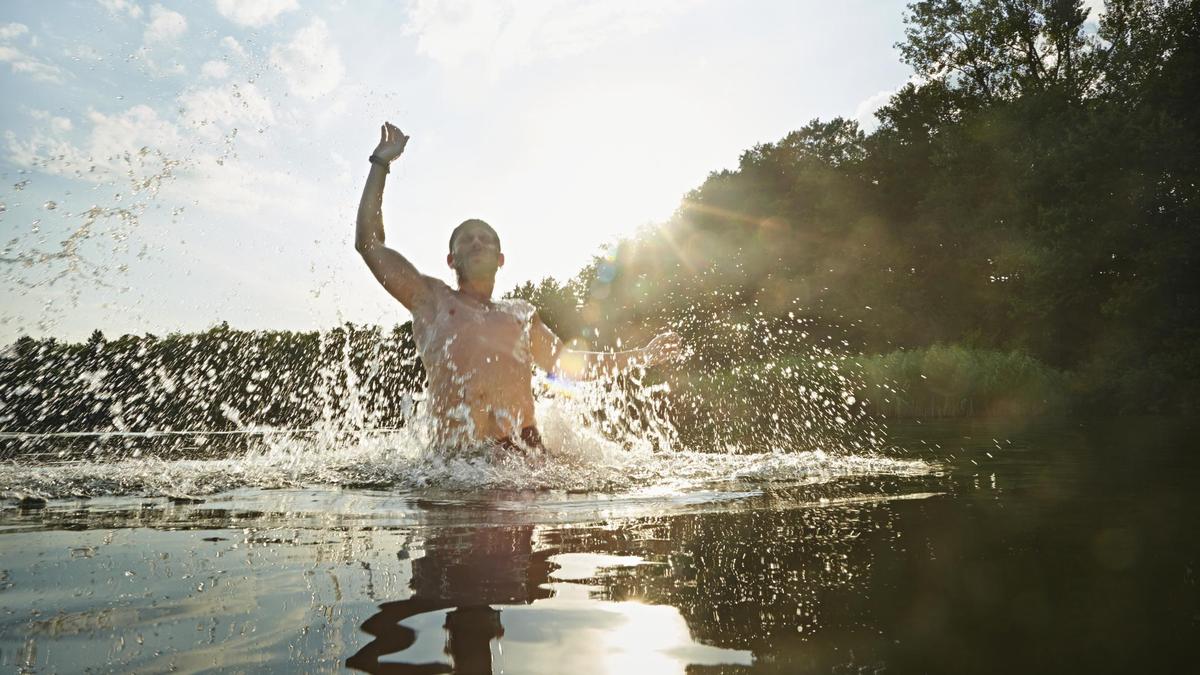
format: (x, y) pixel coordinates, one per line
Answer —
(378, 161)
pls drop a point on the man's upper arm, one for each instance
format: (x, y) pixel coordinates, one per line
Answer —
(545, 344)
(398, 276)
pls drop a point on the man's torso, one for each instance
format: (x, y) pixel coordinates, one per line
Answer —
(478, 359)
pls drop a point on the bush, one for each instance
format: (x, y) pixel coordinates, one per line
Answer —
(951, 381)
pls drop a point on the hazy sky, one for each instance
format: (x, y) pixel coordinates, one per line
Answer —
(205, 159)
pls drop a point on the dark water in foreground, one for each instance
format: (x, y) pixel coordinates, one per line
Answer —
(1058, 546)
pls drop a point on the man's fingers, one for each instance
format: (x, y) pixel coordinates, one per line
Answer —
(390, 133)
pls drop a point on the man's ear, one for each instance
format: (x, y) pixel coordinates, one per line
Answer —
(501, 260)
(450, 260)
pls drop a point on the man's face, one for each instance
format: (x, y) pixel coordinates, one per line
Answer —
(476, 252)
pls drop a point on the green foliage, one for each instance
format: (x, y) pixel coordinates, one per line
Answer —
(940, 381)
(558, 304)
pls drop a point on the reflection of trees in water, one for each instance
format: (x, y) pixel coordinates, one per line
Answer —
(739, 579)
(747, 580)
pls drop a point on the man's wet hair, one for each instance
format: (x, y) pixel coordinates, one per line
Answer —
(467, 223)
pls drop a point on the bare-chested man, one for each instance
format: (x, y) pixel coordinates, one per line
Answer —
(478, 352)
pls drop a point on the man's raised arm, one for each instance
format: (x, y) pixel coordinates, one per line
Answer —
(392, 270)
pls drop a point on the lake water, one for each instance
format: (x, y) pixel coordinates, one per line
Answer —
(987, 547)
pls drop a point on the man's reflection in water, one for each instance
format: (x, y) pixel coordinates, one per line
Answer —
(467, 569)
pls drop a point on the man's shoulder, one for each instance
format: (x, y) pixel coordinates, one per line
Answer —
(518, 307)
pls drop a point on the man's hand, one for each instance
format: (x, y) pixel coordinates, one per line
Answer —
(663, 348)
(391, 142)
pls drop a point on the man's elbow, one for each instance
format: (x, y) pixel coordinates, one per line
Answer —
(365, 247)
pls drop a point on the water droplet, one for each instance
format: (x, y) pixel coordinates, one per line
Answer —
(50, 205)
(21, 185)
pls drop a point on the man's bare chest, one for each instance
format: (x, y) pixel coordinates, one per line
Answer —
(469, 334)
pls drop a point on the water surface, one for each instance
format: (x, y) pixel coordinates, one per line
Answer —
(1064, 545)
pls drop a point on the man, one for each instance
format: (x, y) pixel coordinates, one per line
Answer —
(478, 352)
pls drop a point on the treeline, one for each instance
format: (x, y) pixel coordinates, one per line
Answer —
(1032, 192)
(221, 379)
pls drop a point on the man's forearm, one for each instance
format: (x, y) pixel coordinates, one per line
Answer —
(369, 232)
(578, 365)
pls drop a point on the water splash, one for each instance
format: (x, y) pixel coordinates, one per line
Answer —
(392, 462)
(357, 420)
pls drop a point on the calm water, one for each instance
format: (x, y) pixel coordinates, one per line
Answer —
(1064, 546)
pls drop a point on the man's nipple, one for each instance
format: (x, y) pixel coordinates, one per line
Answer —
(451, 312)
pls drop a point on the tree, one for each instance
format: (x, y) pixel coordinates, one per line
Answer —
(1001, 49)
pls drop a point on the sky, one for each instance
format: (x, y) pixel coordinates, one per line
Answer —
(167, 166)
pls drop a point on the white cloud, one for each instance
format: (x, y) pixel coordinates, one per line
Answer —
(136, 145)
(864, 113)
(9, 31)
(512, 32)
(310, 63)
(215, 70)
(221, 109)
(233, 46)
(165, 25)
(160, 49)
(254, 13)
(133, 9)
(20, 62)
(144, 150)
(59, 125)
(114, 136)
